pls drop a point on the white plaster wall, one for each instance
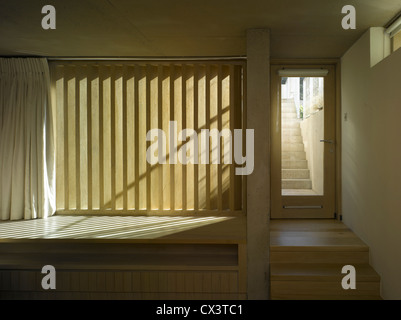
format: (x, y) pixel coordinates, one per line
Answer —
(371, 157)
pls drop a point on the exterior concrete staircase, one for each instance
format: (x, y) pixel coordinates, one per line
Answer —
(295, 172)
(307, 257)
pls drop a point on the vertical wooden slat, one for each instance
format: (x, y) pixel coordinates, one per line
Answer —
(113, 137)
(106, 138)
(219, 127)
(183, 125)
(77, 139)
(213, 126)
(95, 152)
(226, 167)
(154, 122)
(238, 124)
(242, 84)
(196, 128)
(172, 166)
(166, 120)
(59, 134)
(178, 106)
(160, 126)
(101, 138)
(66, 155)
(119, 137)
(190, 188)
(232, 127)
(136, 112)
(83, 136)
(125, 153)
(89, 133)
(201, 182)
(130, 139)
(207, 98)
(148, 127)
(142, 143)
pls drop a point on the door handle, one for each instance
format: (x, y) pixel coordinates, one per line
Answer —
(327, 141)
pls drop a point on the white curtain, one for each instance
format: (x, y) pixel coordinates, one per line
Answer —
(27, 160)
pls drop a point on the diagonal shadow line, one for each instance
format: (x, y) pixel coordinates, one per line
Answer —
(67, 226)
(153, 167)
(142, 229)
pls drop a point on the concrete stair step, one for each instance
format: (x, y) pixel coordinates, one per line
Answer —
(289, 110)
(292, 146)
(291, 131)
(289, 115)
(293, 155)
(294, 164)
(295, 174)
(296, 184)
(287, 103)
(291, 139)
(290, 124)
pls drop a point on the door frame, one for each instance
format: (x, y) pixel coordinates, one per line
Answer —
(334, 65)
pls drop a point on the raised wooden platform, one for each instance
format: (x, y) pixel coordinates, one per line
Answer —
(104, 257)
(307, 257)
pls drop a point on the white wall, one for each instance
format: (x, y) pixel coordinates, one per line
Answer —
(312, 131)
(371, 158)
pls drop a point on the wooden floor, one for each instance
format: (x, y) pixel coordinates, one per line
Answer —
(311, 233)
(111, 257)
(307, 257)
(208, 229)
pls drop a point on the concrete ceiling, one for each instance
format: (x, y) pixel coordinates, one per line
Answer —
(160, 28)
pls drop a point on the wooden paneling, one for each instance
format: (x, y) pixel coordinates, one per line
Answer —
(125, 257)
(104, 111)
(114, 271)
(200, 283)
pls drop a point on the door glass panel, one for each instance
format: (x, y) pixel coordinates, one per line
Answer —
(302, 128)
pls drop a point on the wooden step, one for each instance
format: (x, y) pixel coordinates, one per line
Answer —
(320, 256)
(319, 272)
(324, 297)
(307, 257)
(322, 288)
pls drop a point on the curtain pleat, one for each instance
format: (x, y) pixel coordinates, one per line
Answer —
(27, 161)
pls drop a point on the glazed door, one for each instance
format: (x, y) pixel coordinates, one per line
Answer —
(303, 141)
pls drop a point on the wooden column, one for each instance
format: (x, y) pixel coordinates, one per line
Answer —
(258, 183)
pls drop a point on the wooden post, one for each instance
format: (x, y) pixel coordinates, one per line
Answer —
(258, 183)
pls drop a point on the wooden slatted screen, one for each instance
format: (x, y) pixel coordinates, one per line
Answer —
(103, 113)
